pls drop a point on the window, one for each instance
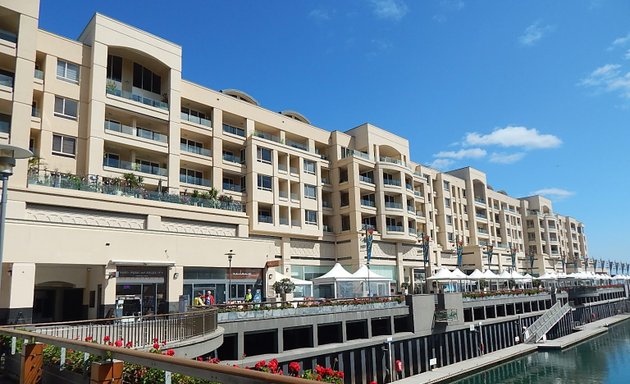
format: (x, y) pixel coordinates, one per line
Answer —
(263, 155)
(264, 215)
(114, 68)
(264, 182)
(5, 123)
(343, 175)
(190, 176)
(450, 236)
(345, 199)
(64, 145)
(111, 160)
(310, 191)
(310, 217)
(191, 146)
(309, 167)
(146, 166)
(65, 107)
(446, 185)
(447, 202)
(145, 79)
(345, 223)
(195, 117)
(449, 219)
(67, 71)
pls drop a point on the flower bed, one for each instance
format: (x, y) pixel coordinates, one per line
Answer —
(497, 294)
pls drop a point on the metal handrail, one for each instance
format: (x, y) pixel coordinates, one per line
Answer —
(216, 372)
(139, 330)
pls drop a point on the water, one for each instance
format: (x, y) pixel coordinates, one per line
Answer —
(604, 359)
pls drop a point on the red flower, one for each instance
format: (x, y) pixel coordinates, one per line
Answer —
(373, 382)
(106, 339)
(294, 368)
(156, 346)
(155, 339)
(260, 364)
(89, 338)
(118, 343)
(170, 352)
(199, 358)
(273, 365)
(129, 344)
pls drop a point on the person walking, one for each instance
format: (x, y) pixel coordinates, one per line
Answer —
(199, 300)
(248, 295)
(209, 298)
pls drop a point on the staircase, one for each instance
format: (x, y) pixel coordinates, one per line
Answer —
(545, 322)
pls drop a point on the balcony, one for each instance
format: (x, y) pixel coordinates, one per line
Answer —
(268, 136)
(138, 132)
(137, 167)
(297, 145)
(417, 194)
(346, 152)
(233, 130)
(294, 171)
(195, 180)
(265, 219)
(391, 182)
(230, 158)
(327, 228)
(365, 227)
(413, 231)
(8, 36)
(366, 179)
(326, 204)
(283, 194)
(481, 216)
(395, 228)
(419, 213)
(233, 187)
(284, 221)
(108, 187)
(194, 149)
(282, 167)
(296, 223)
(137, 98)
(480, 201)
(196, 119)
(411, 210)
(367, 203)
(393, 205)
(295, 197)
(409, 187)
(39, 74)
(324, 180)
(481, 230)
(391, 160)
(6, 79)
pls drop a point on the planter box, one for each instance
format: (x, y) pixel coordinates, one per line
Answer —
(52, 375)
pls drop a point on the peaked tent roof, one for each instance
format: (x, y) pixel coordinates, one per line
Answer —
(476, 275)
(443, 274)
(489, 275)
(363, 272)
(336, 273)
(459, 274)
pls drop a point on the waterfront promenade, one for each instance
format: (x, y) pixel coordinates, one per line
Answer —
(467, 367)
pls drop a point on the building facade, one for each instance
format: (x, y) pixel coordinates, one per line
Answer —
(146, 187)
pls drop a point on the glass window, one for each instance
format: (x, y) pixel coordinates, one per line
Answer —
(264, 182)
(447, 202)
(446, 185)
(67, 71)
(264, 155)
(65, 107)
(309, 167)
(310, 191)
(114, 67)
(64, 145)
(145, 79)
(310, 217)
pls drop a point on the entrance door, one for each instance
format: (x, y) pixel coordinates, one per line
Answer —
(44, 305)
(72, 304)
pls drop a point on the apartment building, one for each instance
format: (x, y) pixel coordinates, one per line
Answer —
(147, 187)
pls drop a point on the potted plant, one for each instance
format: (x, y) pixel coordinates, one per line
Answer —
(284, 288)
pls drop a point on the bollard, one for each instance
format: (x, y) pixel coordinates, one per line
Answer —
(32, 363)
(107, 372)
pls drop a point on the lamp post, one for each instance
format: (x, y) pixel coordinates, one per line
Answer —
(531, 262)
(425, 256)
(8, 155)
(460, 251)
(229, 291)
(489, 251)
(513, 250)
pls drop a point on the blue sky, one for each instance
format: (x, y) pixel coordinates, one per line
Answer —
(534, 93)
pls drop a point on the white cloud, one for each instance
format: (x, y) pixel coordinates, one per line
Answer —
(441, 164)
(609, 78)
(472, 153)
(506, 158)
(620, 42)
(528, 138)
(554, 193)
(389, 9)
(448, 6)
(534, 32)
(320, 14)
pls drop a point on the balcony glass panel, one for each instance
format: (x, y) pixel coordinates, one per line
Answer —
(137, 98)
(395, 228)
(129, 166)
(195, 149)
(233, 130)
(194, 180)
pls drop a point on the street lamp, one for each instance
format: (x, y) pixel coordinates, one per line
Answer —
(513, 251)
(425, 256)
(8, 155)
(229, 290)
(489, 252)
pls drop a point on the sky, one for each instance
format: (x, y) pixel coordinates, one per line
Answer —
(534, 93)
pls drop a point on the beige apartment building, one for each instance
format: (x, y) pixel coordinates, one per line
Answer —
(147, 187)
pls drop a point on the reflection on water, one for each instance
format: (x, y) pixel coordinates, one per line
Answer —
(604, 359)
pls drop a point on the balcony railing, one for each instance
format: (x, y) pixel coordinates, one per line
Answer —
(326, 204)
(233, 130)
(39, 74)
(36, 112)
(195, 180)
(232, 158)
(413, 231)
(395, 228)
(283, 194)
(6, 80)
(366, 179)
(325, 180)
(392, 160)
(294, 170)
(368, 226)
(409, 187)
(138, 167)
(481, 216)
(296, 223)
(282, 167)
(481, 230)
(417, 194)
(233, 187)
(295, 197)
(353, 152)
(194, 149)
(368, 203)
(284, 221)
(479, 200)
(137, 98)
(138, 132)
(297, 145)
(196, 119)
(8, 36)
(326, 228)
(393, 204)
(110, 186)
(391, 182)
(5, 126)
(267, 136)
(411, 209)
(419, 213)
(265, 219)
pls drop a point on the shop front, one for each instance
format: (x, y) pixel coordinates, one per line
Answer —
(219, 281)
(141, 290)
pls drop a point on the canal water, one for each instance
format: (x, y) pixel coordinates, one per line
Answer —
(604, 359)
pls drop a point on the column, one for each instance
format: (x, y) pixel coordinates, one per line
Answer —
(17, 293)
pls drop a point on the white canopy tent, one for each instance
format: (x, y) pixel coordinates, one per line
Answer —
(335, 283)
(303, 288)
(378, 285)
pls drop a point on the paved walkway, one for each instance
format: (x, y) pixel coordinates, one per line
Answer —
(470, 366)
